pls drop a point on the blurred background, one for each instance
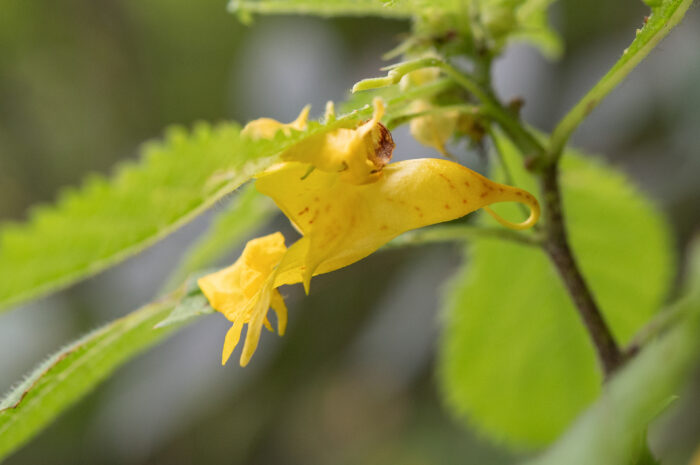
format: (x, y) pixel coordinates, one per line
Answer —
(83, 83)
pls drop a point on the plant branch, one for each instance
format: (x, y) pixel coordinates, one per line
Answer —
(492, 107)
(660, 23)
(557, 247)
(556, 244)
(406, 117)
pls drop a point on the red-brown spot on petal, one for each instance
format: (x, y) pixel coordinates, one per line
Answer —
(484, 194)
(447, 206)
(464, 201)
(311, 221)
(303, 211)
(449, 183)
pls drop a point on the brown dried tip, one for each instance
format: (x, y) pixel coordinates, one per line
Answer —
(383, 147)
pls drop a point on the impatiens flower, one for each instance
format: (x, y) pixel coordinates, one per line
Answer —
(435, 129)
(358, 154)
(346, 209)
(245, 291)
(420, 76)
(342, 223)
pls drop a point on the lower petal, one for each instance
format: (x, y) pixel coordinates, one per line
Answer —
(280, 308)
(255, 327)
(232, 337)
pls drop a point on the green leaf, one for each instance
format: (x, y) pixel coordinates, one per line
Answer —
(613, 430)
(245, 8)
(73, 371)
(188, 308)
(106, 221)
(516, 360)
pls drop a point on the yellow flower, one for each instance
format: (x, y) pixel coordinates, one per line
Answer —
(346, 209)
(342, 223)
(244, 292)
(358, 154)
(433, 130)
(266, 128)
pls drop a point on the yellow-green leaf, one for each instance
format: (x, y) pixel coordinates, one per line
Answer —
(517, 362)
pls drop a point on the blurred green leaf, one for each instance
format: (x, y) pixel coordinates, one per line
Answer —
(534, 28)
(613, 430)
(246, 213)
(74, 370)
(501, 20)
(506, 21)
(516, 360)
(105, 221)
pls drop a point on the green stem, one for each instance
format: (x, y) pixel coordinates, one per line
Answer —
(460, 233)
(508, 177)
(432, 88)
(555, 241)
(491, 107)
(660, 23)
(403, 119)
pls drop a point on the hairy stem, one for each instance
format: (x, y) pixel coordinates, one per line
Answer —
(556, 245)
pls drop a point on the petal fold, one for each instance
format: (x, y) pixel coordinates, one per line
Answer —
(266, 128)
